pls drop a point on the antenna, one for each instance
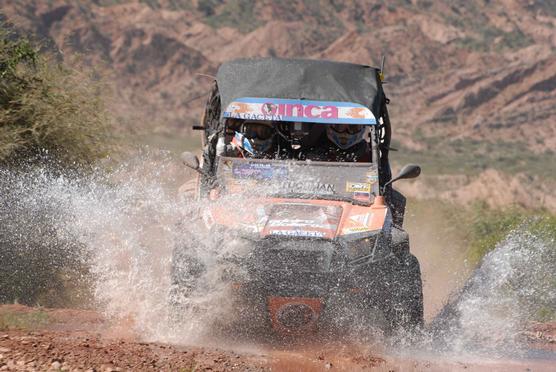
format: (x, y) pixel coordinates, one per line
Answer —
(382, 68)
(206, 75)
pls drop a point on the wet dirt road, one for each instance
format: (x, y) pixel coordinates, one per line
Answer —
(73, 340)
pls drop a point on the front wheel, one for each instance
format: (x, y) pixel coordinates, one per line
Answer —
(186, 272)
(403, 295)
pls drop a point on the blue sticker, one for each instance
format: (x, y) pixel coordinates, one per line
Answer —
(259, 171)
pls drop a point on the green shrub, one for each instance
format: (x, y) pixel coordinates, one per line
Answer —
(490, 226)
(48, 107)
(237, 14)
(23, 320)
(492, 39)
(470, 157)
(477, 228)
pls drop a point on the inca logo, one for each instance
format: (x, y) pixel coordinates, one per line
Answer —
(299, 110)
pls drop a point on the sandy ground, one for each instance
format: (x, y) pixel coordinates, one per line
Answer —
(77, 340)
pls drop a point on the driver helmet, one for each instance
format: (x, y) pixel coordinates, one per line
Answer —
(261, 134)
(345, 135)
(233, 125)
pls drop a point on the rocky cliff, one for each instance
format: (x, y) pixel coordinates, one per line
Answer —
(471, 81)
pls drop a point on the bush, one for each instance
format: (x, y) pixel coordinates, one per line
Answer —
(237, 14)
(477, 228)
(46, 106)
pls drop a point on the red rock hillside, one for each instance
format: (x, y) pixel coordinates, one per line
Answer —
(472, 82)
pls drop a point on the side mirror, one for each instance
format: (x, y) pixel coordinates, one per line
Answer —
(190, 160)
(409, 171)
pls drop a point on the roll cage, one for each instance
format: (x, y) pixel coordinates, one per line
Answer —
(355, 81)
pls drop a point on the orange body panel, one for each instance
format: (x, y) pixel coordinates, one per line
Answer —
(298, 217)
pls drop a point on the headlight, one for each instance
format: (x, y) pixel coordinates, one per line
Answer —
(360, 249)
(382, 249)
(371, 249)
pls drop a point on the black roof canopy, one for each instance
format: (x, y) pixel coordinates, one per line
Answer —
(300, 79)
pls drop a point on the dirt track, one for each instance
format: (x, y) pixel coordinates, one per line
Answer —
(72, 340)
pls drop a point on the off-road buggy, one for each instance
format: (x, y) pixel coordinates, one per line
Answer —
(322, 242)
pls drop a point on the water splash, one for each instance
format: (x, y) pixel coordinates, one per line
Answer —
(123, 225)
(514, 283)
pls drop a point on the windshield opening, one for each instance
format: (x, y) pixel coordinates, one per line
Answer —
(283, 140)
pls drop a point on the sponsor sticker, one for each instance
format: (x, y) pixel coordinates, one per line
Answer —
(362, 219)
(308, 187)
(298, 233)
(372, 177)
(358, 187)
(351, 230)
(259, 171)
(300, 223)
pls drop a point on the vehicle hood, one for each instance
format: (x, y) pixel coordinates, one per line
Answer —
(298, 218)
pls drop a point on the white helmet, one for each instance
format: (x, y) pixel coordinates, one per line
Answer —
(345, 135)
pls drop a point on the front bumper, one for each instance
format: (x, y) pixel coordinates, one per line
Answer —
(296, 290)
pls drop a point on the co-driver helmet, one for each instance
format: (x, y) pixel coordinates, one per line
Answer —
(345, 135)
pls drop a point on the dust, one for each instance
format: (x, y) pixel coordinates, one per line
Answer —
(441, 249)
